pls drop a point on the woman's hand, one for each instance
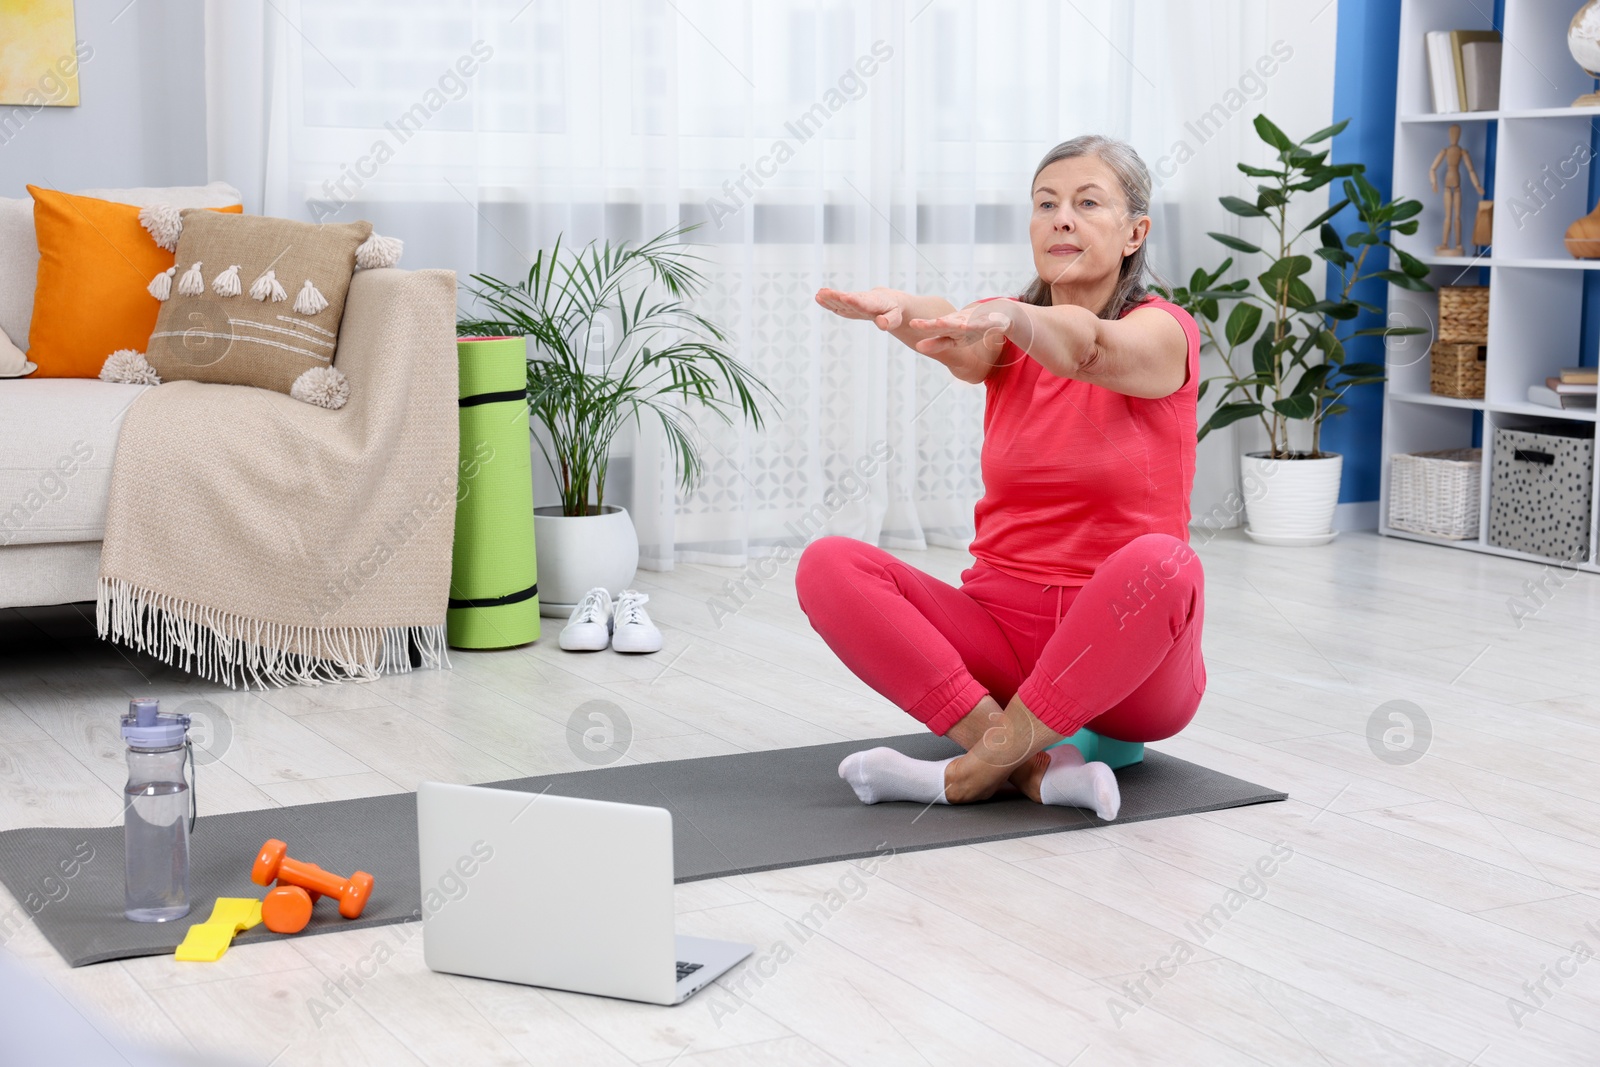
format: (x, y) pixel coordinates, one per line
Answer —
(985, 325)
(895, 313)
(885, 307)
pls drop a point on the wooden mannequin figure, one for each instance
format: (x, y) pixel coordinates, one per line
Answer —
(1452, 156)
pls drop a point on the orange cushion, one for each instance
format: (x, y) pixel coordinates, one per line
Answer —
(95, 265)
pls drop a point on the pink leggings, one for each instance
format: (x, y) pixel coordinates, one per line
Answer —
(1119, 654)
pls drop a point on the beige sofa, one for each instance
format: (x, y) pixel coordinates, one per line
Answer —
(58, 436)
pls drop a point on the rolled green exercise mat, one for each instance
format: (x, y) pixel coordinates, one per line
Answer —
(494, 590)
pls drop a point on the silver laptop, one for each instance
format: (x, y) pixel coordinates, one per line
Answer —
(557, 892)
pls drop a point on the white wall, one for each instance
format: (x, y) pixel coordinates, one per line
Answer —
(142, 116)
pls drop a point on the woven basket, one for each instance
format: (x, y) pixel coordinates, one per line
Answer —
(1436, 493)
(1456, 370)
(1464, 314)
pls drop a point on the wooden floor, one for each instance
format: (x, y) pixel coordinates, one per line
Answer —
(1423, 912)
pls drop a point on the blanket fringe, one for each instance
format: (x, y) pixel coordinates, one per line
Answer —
(233, 650)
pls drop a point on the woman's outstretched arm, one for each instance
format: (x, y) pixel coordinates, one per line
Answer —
(1145, 353)
(893, 311)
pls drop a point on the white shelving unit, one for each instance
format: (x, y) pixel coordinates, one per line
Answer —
(1535, 288)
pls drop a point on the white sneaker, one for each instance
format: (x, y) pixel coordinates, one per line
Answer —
(588, 629)
(633, 631)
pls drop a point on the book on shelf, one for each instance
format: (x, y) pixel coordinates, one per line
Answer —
(1566, 388)
(1464, 69)
(1547, 397)
(1480, 70)
(1441, 75)
(1580, 375)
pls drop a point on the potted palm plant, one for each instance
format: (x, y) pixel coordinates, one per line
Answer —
(612, 339)
(1281, 347)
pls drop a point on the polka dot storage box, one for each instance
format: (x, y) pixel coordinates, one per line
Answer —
(1541, 488)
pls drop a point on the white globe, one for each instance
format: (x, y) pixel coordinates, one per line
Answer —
(1583, 38)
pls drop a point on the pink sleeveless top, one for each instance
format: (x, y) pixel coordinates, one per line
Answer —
(1073, 471)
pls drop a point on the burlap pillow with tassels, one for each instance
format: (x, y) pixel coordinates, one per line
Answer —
(256, 302)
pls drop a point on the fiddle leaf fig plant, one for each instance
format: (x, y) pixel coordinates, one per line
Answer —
(1282, 347)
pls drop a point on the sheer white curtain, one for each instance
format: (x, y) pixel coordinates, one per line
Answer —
(848, 144)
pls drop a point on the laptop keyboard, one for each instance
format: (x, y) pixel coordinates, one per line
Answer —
(686, 969)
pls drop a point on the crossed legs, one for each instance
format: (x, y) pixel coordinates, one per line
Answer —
(1005, 751)
(1124, 660)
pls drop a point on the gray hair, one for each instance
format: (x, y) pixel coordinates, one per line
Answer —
(1134, 178)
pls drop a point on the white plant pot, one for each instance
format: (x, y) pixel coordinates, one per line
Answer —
(1290, 501)
(578, 552)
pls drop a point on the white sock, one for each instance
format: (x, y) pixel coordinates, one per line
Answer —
(881, 774)
(1071, 782)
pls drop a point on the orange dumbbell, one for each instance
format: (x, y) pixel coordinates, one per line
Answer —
(286, 909)
(273, 863)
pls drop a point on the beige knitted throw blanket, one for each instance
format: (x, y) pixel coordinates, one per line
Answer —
(254, 539)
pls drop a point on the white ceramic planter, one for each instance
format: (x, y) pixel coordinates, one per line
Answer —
(1290, 501)
(577, 553)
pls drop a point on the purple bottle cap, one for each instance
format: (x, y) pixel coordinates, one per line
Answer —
(146, 727)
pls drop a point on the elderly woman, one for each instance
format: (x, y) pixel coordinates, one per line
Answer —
(1084, 605)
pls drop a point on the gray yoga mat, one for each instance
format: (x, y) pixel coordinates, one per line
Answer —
(752, 811)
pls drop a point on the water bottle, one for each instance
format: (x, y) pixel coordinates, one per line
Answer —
(158, 813)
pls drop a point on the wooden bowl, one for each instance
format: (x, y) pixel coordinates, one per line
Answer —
(1583, 236)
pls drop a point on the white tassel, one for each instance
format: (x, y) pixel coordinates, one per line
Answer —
(191, 284)
(163, 223)
(160, 286)
(233, 650)
(309, 302)
(378, 251)
(129, 368)
(227, 283)
(326, 387)
(268, 287)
